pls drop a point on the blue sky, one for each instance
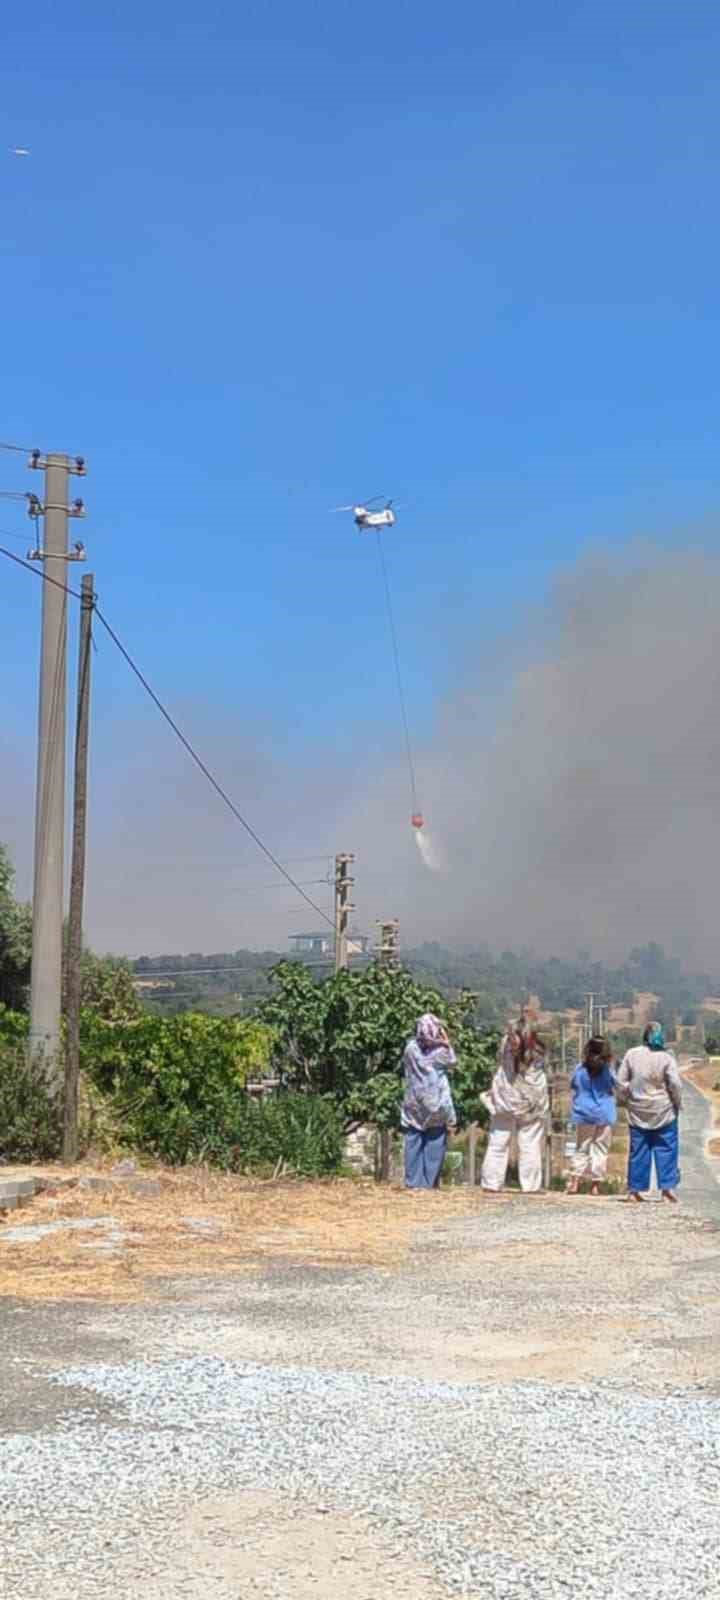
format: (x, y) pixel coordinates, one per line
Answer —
(267, 258)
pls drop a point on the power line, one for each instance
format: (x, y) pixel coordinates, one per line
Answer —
(264, 972)
(261, 888)
(200, 764)
(18, 537)
(20, 449)
(198, 864)
(398, 674)
(36, 571)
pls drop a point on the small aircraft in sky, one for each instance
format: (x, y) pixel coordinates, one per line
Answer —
(18, 150)
(365, 517)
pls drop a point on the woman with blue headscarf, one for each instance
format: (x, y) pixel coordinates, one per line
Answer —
(649, 1084)
(428, 1113)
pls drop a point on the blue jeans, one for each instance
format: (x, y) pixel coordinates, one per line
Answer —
(424, 1155)
(660, 1145)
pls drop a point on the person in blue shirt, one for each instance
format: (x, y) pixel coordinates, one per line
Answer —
(594, 1112)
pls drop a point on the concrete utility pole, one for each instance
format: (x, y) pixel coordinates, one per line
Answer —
(343, 885)
(77, 876)
(388, 950)
(46, 975)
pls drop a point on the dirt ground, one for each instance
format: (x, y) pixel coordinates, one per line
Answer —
(110, 1244)
(346, 1287)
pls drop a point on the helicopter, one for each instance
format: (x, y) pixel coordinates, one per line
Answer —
(365, 518)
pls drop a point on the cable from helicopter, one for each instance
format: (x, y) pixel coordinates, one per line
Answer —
(369, 520)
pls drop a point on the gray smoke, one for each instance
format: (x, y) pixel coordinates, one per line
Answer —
(571, 790)
(588, 815)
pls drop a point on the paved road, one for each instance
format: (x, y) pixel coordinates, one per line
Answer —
(700, 1186)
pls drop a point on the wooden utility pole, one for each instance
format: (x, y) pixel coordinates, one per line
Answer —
(343, 885)
(48, 888)
(387, 954)
(77, 878)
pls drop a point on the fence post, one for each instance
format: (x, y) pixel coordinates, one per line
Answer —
(548, 1175)
(472, 1153)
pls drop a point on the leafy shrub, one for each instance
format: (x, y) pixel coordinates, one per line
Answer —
(14, 1026)
(176, 1086)
(296, 1133)
(30, 1114)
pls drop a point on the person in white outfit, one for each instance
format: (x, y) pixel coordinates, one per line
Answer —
(518, 1104)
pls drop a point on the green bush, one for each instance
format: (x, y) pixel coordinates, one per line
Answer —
(296, 1133)
(14, 1026)
(176, 1086)
(30, 1114)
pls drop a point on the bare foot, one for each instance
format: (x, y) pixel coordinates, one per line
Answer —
(667, 1194)
(633, 1195)
(595, 1190)
(572, 1187)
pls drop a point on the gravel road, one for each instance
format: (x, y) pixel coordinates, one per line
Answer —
(529, 1408)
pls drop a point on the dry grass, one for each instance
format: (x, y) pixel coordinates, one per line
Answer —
(335, 1223)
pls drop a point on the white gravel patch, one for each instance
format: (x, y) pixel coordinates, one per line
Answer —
(519, 1490)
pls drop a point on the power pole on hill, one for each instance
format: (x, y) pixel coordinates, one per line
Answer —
(77, 876)
(389, 947)
(52, 551)
(343, 885)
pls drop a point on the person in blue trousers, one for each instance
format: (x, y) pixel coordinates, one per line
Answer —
(428, 1113)
(649, 1084)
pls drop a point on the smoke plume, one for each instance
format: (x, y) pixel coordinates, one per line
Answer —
(586, 814)
(571, 792)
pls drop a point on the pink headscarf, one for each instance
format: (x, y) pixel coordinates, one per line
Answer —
(429, 1032)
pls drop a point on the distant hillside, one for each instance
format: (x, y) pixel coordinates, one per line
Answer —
(234, 981)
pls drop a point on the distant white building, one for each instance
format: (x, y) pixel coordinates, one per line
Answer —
(323, 944)
(313, 944)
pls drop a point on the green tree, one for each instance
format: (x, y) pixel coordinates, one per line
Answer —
(107, 988)
(15, 939)
(344, 1038)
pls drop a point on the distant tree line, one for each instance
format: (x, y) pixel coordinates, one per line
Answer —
(496, 982)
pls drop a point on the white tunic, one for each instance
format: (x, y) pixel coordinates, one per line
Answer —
(519, 1091)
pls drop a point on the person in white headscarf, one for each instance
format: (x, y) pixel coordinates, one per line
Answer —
(428, 1113)
(518, 1104)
